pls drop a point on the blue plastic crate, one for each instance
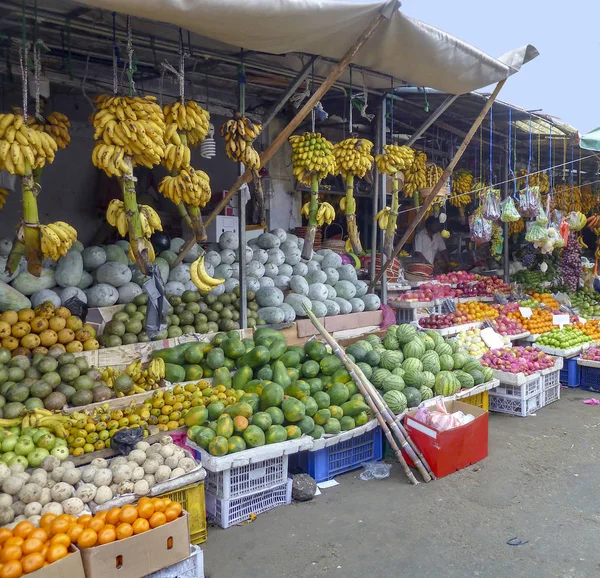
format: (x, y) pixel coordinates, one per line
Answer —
(590, 378)
(337, 459)
(570, 373)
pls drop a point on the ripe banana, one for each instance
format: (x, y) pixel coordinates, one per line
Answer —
(56, 239)
(239, 132)
(382, 218)
(312, 154)
(325, 214)
(353, 157)
(201, 278)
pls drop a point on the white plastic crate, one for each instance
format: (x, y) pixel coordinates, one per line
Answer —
(228, 513)
(192, 567)
(247, 479)
(551, 394)
(551, 380)
(515, 405)
(531, 386)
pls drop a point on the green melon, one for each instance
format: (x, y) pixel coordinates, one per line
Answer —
(364, 344)
(379, 376)
(446, 362)
(372, 358)
(414, 348)
(460, 359)
(435, 335)
(431, 362)
(445, 383)
(466, 381)
(428, 342)
(443, 348)
(413, 378)
(405, 333)
(399, 371)
(366, 369)
(413, 397)
(393, 382)
(395, 400)
(412, 364)
(390, 359)
(426, 392)
(428, 379)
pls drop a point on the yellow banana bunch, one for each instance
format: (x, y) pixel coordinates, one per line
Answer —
(415, 177)
(56, 239)
(190, 118)
(306, 209)
(353, 156)
(127, 126)
(516, 227)
(3, 195)
(348, 245)
(201, 278)
(312, 154)
(325, 214)
(116, 216)
(433, 174)
(588, 201)
(150, 220)
(383, 218)
(462, 185)
(239, 132)
(540, 180)
(567, 198)
(189, 186)
(156, 369)
(581, 242)
(395, 158)
(56, 124)
(21, 145)
(144, 245)
(177, 156)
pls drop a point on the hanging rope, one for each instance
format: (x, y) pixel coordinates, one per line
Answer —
(312, 91)
(551, 163)
(23, 50)
(181, 68)
(365, 99)
(84, 80)
(130, 70)
(242, 84)
(491, 141)
(350, 103)
(392, 103)
(115, 55)
(511, 168)
(530, 149)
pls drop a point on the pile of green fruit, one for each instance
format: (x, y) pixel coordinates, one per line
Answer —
(586, 302)
(280, 392)
(48, 381)
(565, 338)
(30, 446)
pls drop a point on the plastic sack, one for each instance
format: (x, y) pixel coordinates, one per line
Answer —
(124, 441)
(481, 229)
(542, 218)
(576, 220)
(158, 305)
(375, 471)
(556, 218)
(564, 230)
(497, 239)
(8, 181)
(529, 202)
(490, 203)
(441, 420)
(509, 211)
(77, 307)
(422, 414)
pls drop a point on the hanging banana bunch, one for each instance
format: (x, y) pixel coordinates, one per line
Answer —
(313, 160)
(129, 131)
(462, 185)
(516, 227)
(587, 199)
(56, 124)
(397, 161)
(239, 133)
(567, 198)
(415, 177)
(540, 180)
(353, 158)
(117, 217)
(56, 239)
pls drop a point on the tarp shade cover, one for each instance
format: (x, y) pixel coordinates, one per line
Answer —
(402, 47)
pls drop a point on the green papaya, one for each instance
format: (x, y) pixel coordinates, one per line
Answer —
(222, 376)
(280, 374)
(241, 377)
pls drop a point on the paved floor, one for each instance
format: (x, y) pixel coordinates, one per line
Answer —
(540, 484)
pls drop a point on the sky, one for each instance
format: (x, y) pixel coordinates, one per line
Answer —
(564, 80)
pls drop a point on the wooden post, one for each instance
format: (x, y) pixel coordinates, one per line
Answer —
(445, 176)
(282, 137)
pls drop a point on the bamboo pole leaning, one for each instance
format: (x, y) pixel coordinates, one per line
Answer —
(382, 413)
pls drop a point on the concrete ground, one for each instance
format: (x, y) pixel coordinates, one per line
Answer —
(540, 484)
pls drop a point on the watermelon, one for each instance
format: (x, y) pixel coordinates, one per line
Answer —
(431, 362)
(364, 344)
(391, 359)
(372, 358)
(454, 345)
(428, 379)
(357, 351)
(412, 364)
(405, 333)
(426, 392)
(488, 374)
(443, 348)
(373, 339)
(391, 341)
(393, 382)
(379, 376)
(413, 397)
(428, 342)
(366, 369)
(446, 362)
(435, 335)
(414, 378)
(472, 365)
(399, 371)
(395, 401)
(445, 383)
(414, 348)
(477, 377)
(466, 381)
(460, 359)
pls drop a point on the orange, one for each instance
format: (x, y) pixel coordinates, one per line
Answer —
(74, 532)
(70, 518)
(56, 552)
(11, 553)
(124, 530)
(33, 562)
(159, 505)
(60, 525)
(128, 514)
(102, 515)
(107, 535)
(146, 510)
(172, 513)
(40, 534)
(12, 569)
(14, 541)
(5, 534)
(46, 521)
(84, 520)
(23, 529)
(32, 545)
(112, 526)
(87, 539)
(157, 519)
(144, 500)
(96, 524)
(112, 517)
(61, 539)
(140, 525)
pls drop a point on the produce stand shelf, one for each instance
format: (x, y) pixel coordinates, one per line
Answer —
(411, 304)
(566, 353)
(519, 336)
(456, 329)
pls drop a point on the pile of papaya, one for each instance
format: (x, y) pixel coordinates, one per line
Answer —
(264, 391)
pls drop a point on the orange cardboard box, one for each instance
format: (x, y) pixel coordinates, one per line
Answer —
(69, 567)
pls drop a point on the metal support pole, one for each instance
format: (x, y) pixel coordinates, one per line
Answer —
(506, 194)
(383, 197)
(437, 113)
(243, 321)
(380, 121)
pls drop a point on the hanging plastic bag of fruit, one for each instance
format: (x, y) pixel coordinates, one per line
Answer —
(490, 203)
(481, 228)
(536, 233)
(556, 218)
(529, 202)
(564, 230)
(497, 240)
(509, 211)
(576, 220)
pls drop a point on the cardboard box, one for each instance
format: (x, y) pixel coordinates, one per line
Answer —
(305, 327)
(69, 567)
(139, 555)
(454, 449)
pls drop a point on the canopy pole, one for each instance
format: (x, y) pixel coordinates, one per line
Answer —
(383, 195)
(436, 189)
(438, 112)
(379, 142)
(506, 195)
(282, 137)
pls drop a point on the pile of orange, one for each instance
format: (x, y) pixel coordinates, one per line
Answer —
(591, 328)
(37, 330)
(477, 311)
(25, 549)
(547, 299)
(539, 322)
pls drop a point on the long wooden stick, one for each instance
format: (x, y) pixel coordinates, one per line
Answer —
(436, 189)
(282, 137)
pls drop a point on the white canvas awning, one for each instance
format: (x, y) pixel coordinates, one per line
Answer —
(403, 48)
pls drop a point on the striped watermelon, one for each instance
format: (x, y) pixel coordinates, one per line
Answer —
(373, 339)
(390, 359)
(488, 374)
(412, 364)
(428, 379)
(426, 392)
(446, 362)
(413, 397)
(445, 383)
(460, 359)
(428, 342)
(436, 336)
(443, 348)
(472, 365)
(431, 362)
(414, 348)
(466, 381)
(405, 333)
(391, 341)
(477, 377)
(366, 369)
(379, 376)
(398, 371)
(395, 400)
(414, 378)
(365, 345)
(394, 382)
(454, 345)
